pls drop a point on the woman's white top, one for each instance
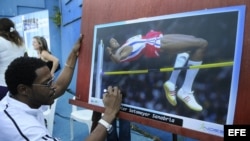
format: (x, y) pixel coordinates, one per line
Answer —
(8, 52)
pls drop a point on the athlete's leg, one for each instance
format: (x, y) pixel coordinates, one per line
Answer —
(185, 93)
(180, 61)
(170, 84)
(190, 75)
(177, 43)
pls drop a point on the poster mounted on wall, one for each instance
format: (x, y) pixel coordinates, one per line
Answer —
(33, 24)
(181, 69)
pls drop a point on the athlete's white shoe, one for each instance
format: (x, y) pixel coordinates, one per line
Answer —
(170, 93)
(189, 100)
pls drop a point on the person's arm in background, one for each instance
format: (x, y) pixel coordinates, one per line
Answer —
(112, 102)
(49, 57)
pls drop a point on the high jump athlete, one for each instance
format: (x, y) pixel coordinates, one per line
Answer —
(189, 49)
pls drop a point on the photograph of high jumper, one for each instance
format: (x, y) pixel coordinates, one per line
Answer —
(182, 66)
(151, 44)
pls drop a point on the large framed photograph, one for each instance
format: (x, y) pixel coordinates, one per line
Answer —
(181, 69)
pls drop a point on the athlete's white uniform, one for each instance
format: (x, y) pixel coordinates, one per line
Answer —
(148, 45)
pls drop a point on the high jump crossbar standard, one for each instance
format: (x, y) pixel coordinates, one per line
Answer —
(203, 66)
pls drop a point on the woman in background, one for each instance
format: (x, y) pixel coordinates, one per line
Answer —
(11, 47)
(40, 45)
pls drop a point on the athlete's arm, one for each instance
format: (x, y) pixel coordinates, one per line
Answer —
(112, 55)
(120, 54)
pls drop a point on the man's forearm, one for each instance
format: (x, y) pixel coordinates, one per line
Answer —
(98, 134)
(66, 75)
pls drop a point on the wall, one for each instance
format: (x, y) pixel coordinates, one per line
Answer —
(70, 30)
(13, 8)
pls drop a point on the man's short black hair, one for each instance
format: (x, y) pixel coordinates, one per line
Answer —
(22, 71)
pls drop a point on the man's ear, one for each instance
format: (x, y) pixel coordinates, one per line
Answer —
(23, 89)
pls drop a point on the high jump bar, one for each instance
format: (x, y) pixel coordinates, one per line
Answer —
(202, 66)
